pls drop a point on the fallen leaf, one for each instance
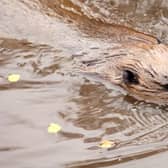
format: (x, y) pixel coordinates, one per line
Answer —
(54, 128)
(106, 144)
(13, 77)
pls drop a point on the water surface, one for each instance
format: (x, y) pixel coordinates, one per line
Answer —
(38, 40)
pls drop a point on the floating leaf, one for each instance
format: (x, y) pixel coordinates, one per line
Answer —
(106, 144)
(13, 77)
(54, 128)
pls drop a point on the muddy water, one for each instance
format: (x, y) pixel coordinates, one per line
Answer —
(38, 40)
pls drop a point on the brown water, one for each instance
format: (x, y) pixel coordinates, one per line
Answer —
(38, 40)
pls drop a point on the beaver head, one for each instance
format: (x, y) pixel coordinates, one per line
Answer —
(140, 69)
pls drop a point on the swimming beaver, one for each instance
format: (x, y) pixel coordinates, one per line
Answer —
(138, 63)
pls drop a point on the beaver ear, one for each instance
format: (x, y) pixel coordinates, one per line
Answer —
(130, 77)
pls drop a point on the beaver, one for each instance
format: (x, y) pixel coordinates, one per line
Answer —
(137, 61)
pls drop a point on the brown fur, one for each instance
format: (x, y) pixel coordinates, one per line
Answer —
(130, 51)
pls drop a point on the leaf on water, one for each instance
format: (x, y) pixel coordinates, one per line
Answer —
(106, 144)
(54, 128)
(13, 77)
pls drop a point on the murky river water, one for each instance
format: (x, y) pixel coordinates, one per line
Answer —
(38, 40)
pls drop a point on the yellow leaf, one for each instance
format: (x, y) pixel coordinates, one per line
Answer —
(106, 144)
(13, 77)
(54, 128)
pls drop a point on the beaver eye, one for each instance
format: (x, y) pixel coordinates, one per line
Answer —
(130, 77)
